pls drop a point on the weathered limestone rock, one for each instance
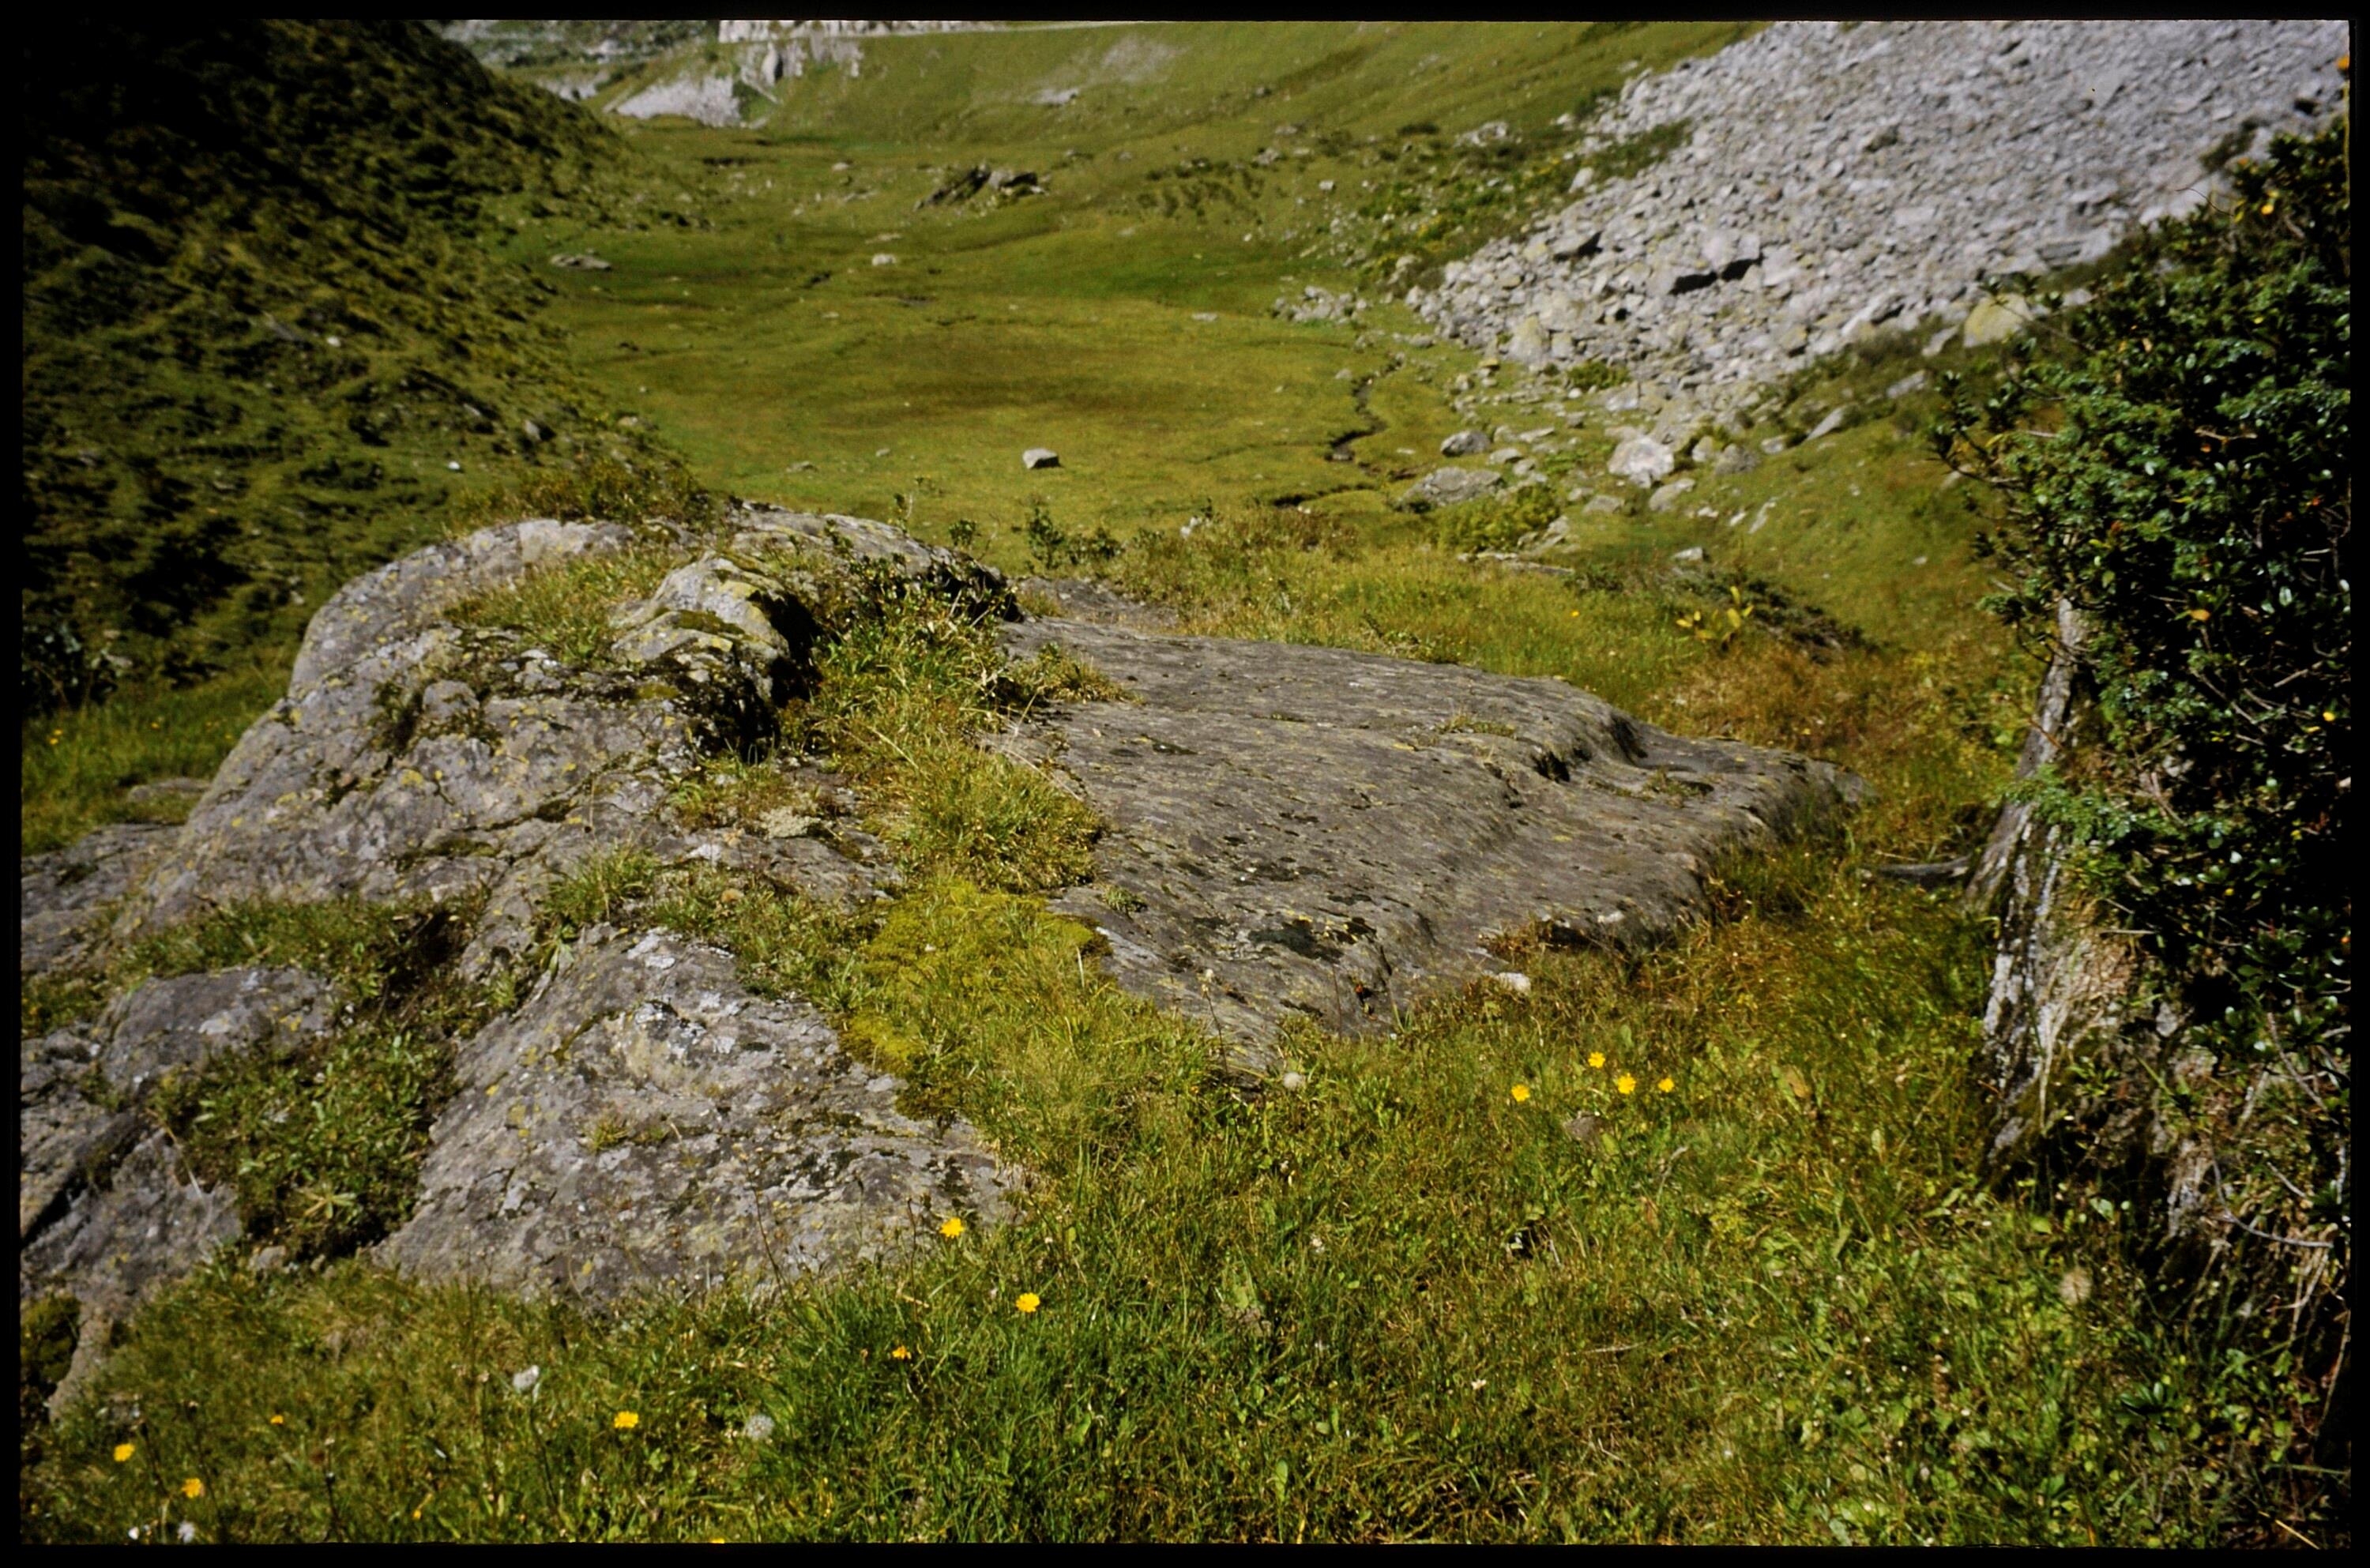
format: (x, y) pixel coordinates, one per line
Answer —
(2062, 985)
(1301, 830)
(1448, 487)
(104, 1209)
(1641, 460)
(643, 1120)
(68, 895)
(414, 758)
(1310, 831)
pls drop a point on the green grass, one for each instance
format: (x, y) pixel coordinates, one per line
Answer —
(75, 769)
(1763, 1305)
(565, 609)
(1768, 1304)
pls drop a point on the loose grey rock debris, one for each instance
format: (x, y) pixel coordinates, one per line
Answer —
(1322, 833)
(1641, 460)
(1466, 444)
(581, 262)
(1839, 181)
(643, 1120)
(1040, 457)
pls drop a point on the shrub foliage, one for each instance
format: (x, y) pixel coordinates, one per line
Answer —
(2171, 461)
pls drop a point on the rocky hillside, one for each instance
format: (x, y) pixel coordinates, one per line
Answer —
(263, 340)
(1833, 181)
(720, 72)
(622, 1111)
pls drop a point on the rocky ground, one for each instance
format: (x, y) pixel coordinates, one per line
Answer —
(1832, 185)
(1291, 831)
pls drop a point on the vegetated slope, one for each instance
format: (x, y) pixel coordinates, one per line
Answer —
(258, 328)
(1120, 310)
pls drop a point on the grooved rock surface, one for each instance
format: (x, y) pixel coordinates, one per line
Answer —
(1322, 833)
(644, 1120)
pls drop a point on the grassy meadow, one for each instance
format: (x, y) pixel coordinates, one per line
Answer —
(1679, 1246)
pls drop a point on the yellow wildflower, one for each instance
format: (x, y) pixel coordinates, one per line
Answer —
(951, 1229)
(122, 1452)
(1521, 1092)
(1596, 1058)
(624, 1421)
(1665, 1085)
(1026, 1303)
(193, 1488)
(1625, 1084)
(901, 1354)
(279, 1420)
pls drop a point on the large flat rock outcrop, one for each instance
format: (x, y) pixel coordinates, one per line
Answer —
(1310, 831)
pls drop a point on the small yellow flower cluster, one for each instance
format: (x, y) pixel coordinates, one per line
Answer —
(951, 1229)
(624, 1421)
(1626, 1083)
(1026, 1303)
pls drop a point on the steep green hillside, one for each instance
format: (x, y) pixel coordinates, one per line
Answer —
(263, 344)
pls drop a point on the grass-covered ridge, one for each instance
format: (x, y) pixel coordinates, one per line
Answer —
(265, 343)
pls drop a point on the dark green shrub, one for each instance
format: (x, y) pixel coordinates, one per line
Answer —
(2171, 460)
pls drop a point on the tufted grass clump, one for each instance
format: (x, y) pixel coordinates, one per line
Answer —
(898, 695)
(564, 607)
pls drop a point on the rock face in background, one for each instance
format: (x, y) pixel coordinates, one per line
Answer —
(2065, 988)
(1839, 180)
(1311, 832)
(769, 52)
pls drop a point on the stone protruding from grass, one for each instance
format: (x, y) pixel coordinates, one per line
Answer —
(1296, 831)
(107, 1207)
(644, 1120)
(66, 894)
(477, 718)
